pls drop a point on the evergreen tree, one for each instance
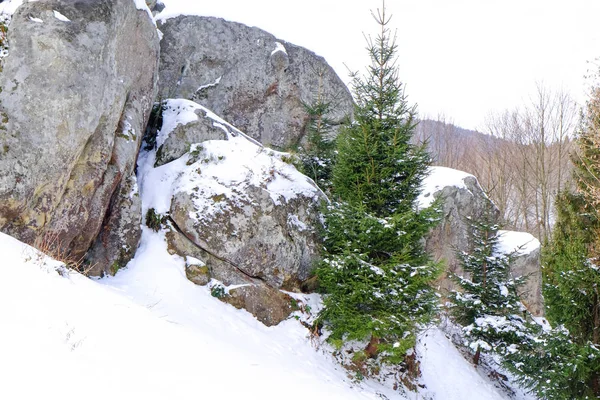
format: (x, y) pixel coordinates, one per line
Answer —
(572, 267)
(565, 362)
(488, 306)
(317, 155)
(554, 367)
(375, 273)
(378, 169)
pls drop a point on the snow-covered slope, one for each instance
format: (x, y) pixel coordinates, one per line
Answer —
(150, 333)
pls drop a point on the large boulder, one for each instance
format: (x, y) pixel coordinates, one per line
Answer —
(77, 89)
(244, 215)
(253, 80)
(462, 198)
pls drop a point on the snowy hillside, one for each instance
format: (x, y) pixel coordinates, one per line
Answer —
(150, 333)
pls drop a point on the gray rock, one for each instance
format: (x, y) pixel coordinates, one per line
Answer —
(76, 96)
(183, 136)
(462, 197)
(529, 267)
(234, 70)
(246, 215)
(218, 269)
(527, 264)
(256, 236)
(268, 305)
(197, 271)
(120, 234)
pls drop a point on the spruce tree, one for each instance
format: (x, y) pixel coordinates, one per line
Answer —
(378, 169)
(564, 363)
(317, 154)
(488, 306)
(375, 273)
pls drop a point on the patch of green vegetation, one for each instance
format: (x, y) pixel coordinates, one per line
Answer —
(115, 267)
(359, 356)
(288, 159)
(218, 291)
(155, 220)
(217, 198)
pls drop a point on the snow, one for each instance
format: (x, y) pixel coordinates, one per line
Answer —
(60, 17)
(141, 5)
(150, 333)
(34, 19)
(218, 168)
(209, 85)
(521, 242)
(10, 6)
(447, 375)
(439, 178)
(279, 47)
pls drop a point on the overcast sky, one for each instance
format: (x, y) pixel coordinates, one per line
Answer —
(459, 58)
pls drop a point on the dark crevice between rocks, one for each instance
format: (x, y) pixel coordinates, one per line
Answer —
(253, 279)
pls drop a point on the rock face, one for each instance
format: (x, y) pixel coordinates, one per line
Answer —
(77, 89)
(238, 208)
(184, 132)
(247, 76)
(527, 264)
(461, 197)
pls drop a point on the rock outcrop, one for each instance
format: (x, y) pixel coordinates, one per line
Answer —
(462, 197)
(77, 90)
(253, 80)
(527, 264)
(238, 209)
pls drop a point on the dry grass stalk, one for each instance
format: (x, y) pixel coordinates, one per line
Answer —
(50, 244)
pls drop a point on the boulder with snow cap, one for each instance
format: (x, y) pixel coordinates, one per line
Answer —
(237, 206)
(247, 76)
(77, 89)
(462, 197)
(190, 126)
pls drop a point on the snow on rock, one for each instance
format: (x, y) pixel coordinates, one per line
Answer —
(230, 167)
(60, 17)
(526, 264)
(520, 242)
(279, 47)
(186, 123)
(237, 206)
(10, 6)
(439, 178)
(142, 5)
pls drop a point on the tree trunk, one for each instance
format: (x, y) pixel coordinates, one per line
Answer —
(477, 356)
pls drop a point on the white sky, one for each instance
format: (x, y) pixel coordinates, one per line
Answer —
(459, 58)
